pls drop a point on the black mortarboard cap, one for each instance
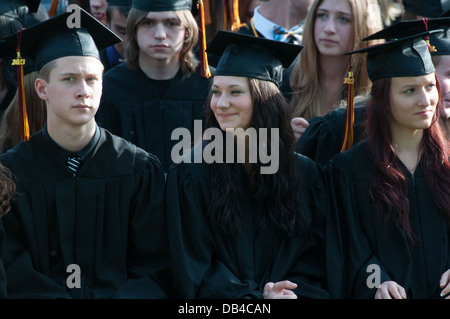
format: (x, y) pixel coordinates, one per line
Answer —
(409, 56)
(407, 28)
(120, 3)
(427, 8)
(439, 41)
(162, 5)
(53, 39)
(250, 56)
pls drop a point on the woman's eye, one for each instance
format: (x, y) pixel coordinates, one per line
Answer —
(321, 15)
(344, 20)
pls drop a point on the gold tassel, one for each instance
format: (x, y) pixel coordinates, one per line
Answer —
(236, 21)
(205, 72)
(431, 48)
(24, 128)
(53, 8)
(350, 118)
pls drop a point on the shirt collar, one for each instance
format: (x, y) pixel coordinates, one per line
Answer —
(82, 153)
(263, 25)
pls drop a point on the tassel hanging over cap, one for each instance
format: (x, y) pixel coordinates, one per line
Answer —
(205, 72)
(19, 62)
(350, 117)
(431, 48)
(231, 13)
(53, 8)
(236, 21)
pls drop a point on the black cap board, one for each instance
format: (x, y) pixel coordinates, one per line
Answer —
(439, 40)
(53, 38)
(249, 56)
(162, 5)
(409, 56)
(409, 28)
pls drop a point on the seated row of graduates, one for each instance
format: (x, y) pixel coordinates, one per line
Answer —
(372, 223)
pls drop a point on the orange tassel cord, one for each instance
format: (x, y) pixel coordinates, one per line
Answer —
(53, 7)
(19, 62)
(205, 72)
(350, 118)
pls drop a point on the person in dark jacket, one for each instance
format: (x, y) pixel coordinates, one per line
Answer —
(87, 220)
(160, 87)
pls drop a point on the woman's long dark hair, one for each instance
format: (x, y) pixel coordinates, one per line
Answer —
(389, 189)
(275, 197)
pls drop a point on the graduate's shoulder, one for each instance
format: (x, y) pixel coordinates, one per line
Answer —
(354, 161)
(125, 152)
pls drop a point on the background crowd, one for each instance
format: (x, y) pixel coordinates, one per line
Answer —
(358, 91)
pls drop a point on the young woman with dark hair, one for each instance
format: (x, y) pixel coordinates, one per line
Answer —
(269, 111)
(235, 231)
(391, 192)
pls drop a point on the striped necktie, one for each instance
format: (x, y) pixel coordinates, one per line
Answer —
(293, 35)
(73, 163)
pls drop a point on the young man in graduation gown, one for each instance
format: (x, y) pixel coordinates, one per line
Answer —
(389, 222)
(87, 220)
(160, 87)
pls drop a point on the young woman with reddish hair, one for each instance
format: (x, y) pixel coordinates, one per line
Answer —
(389, 233)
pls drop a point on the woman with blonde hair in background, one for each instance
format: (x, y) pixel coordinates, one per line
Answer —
(332, 28)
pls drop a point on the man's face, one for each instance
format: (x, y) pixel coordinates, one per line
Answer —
(73, 91)
(160, 36)
(118, 25)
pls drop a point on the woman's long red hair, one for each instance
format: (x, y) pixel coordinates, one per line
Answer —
(389, 188)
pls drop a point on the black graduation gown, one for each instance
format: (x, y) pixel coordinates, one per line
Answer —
(109, 220)
(131, 108)
(208, 264)
(324, 135)
(357, 236)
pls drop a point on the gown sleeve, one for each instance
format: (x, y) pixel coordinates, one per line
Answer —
(349, 252)
(147, 257)
(191, 245)
(322, 139)
(18, 261)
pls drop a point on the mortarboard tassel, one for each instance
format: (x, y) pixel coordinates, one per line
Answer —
(350, 117)
(53, 7)
(431, 48)
(236, 21)
(19, 62)
(231, 10)
(204, 67)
